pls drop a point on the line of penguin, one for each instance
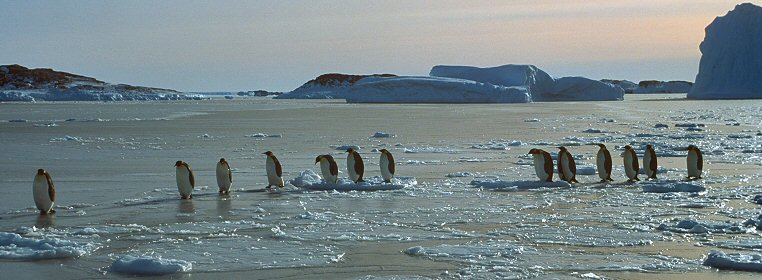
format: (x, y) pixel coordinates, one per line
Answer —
(44, 191)
(567, 170)
(45, 194)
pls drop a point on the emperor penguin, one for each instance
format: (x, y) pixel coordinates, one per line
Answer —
(649, 162)
(274, 171)
(355, 166)
(185, 181)
(567, 169)
(603, 161)
(543, 164)
(387, 165)
(631, 167)
(44, 192)
(695, 162)
(328, 167)
(224, 176)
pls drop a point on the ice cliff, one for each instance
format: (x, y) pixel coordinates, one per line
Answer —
(731, 56)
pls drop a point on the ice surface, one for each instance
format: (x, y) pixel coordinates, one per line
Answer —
(517, 185)
(147, 265)
(745, 262)
(692, 226)
(14, 246)
(381, 134)
(731, 56)
(669, 186)
(433, 90)
(308, 179)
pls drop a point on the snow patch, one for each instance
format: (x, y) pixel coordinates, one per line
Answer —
(147, 265)
(669, 186)
(14, 246)
(310, 180)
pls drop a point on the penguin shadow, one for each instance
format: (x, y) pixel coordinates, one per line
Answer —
(224, 205)
(46, 221)
(185, 210)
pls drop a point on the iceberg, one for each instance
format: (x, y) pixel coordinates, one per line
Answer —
(731, 56)
(328, 86)
(745, 262)
(540, 85)
(412, 89)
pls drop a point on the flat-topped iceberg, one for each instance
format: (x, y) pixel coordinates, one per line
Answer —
(540, 85)
(433, 90)
(731, 56)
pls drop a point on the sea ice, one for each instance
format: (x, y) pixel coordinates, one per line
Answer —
(669, 186)
(745, 262)
(380, 134)
(147, 265)
(517, 185)
(14, 246)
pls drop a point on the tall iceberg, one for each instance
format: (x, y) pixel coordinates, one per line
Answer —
(731, 56)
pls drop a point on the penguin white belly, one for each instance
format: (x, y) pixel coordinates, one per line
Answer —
(600, 161)
(183, 182)
(385, 172)
(41, 196)
(272, 175)
(223, 178)
(628, 168)
(647, 164)
(693, 170)
(351, 168)
(325, 168)
(539, 167)
(567, 171)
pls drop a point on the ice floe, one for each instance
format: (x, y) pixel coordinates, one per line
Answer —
(745, 262)
(14, 246)
(692, 226)
(381, 134)
(497, 184)
(310, 180)
(147, 265)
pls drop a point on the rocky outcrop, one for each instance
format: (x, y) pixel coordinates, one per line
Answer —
(18, 83)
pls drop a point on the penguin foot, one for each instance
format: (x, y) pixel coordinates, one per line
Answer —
(269, 187)
(387, 181)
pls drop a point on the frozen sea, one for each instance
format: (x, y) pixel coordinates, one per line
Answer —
(473, 211)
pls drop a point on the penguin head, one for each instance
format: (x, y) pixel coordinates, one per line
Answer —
(627, 147)
(383, 151)
(649, 147)
(562, 148)
(317, 159)
(601, 145)
(350, 150)
(222, 160)
(691, 148)
(40, 171)
(533, 151)
(268, 153)
(179, 163)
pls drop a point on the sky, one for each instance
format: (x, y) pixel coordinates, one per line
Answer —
(278, 45)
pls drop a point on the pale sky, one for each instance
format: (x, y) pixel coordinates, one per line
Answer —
(278, 45)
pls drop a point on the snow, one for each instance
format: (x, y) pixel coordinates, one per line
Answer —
(745, 262)
(147, 265)
(539, 84)
(517, 185)
(310, 180)
(731, 60)
(669, 186)
(14, 246)
(412, 89)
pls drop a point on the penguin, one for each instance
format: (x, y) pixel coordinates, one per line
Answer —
(631, 167)
(695, 162)
(44, 192)
(567, 169)
(328, 167)
(274, 171)
(355, 166)
(543, 164)
(603, 161)
(224, 176)
(185, 181)
(649, 162)
(387, 165)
